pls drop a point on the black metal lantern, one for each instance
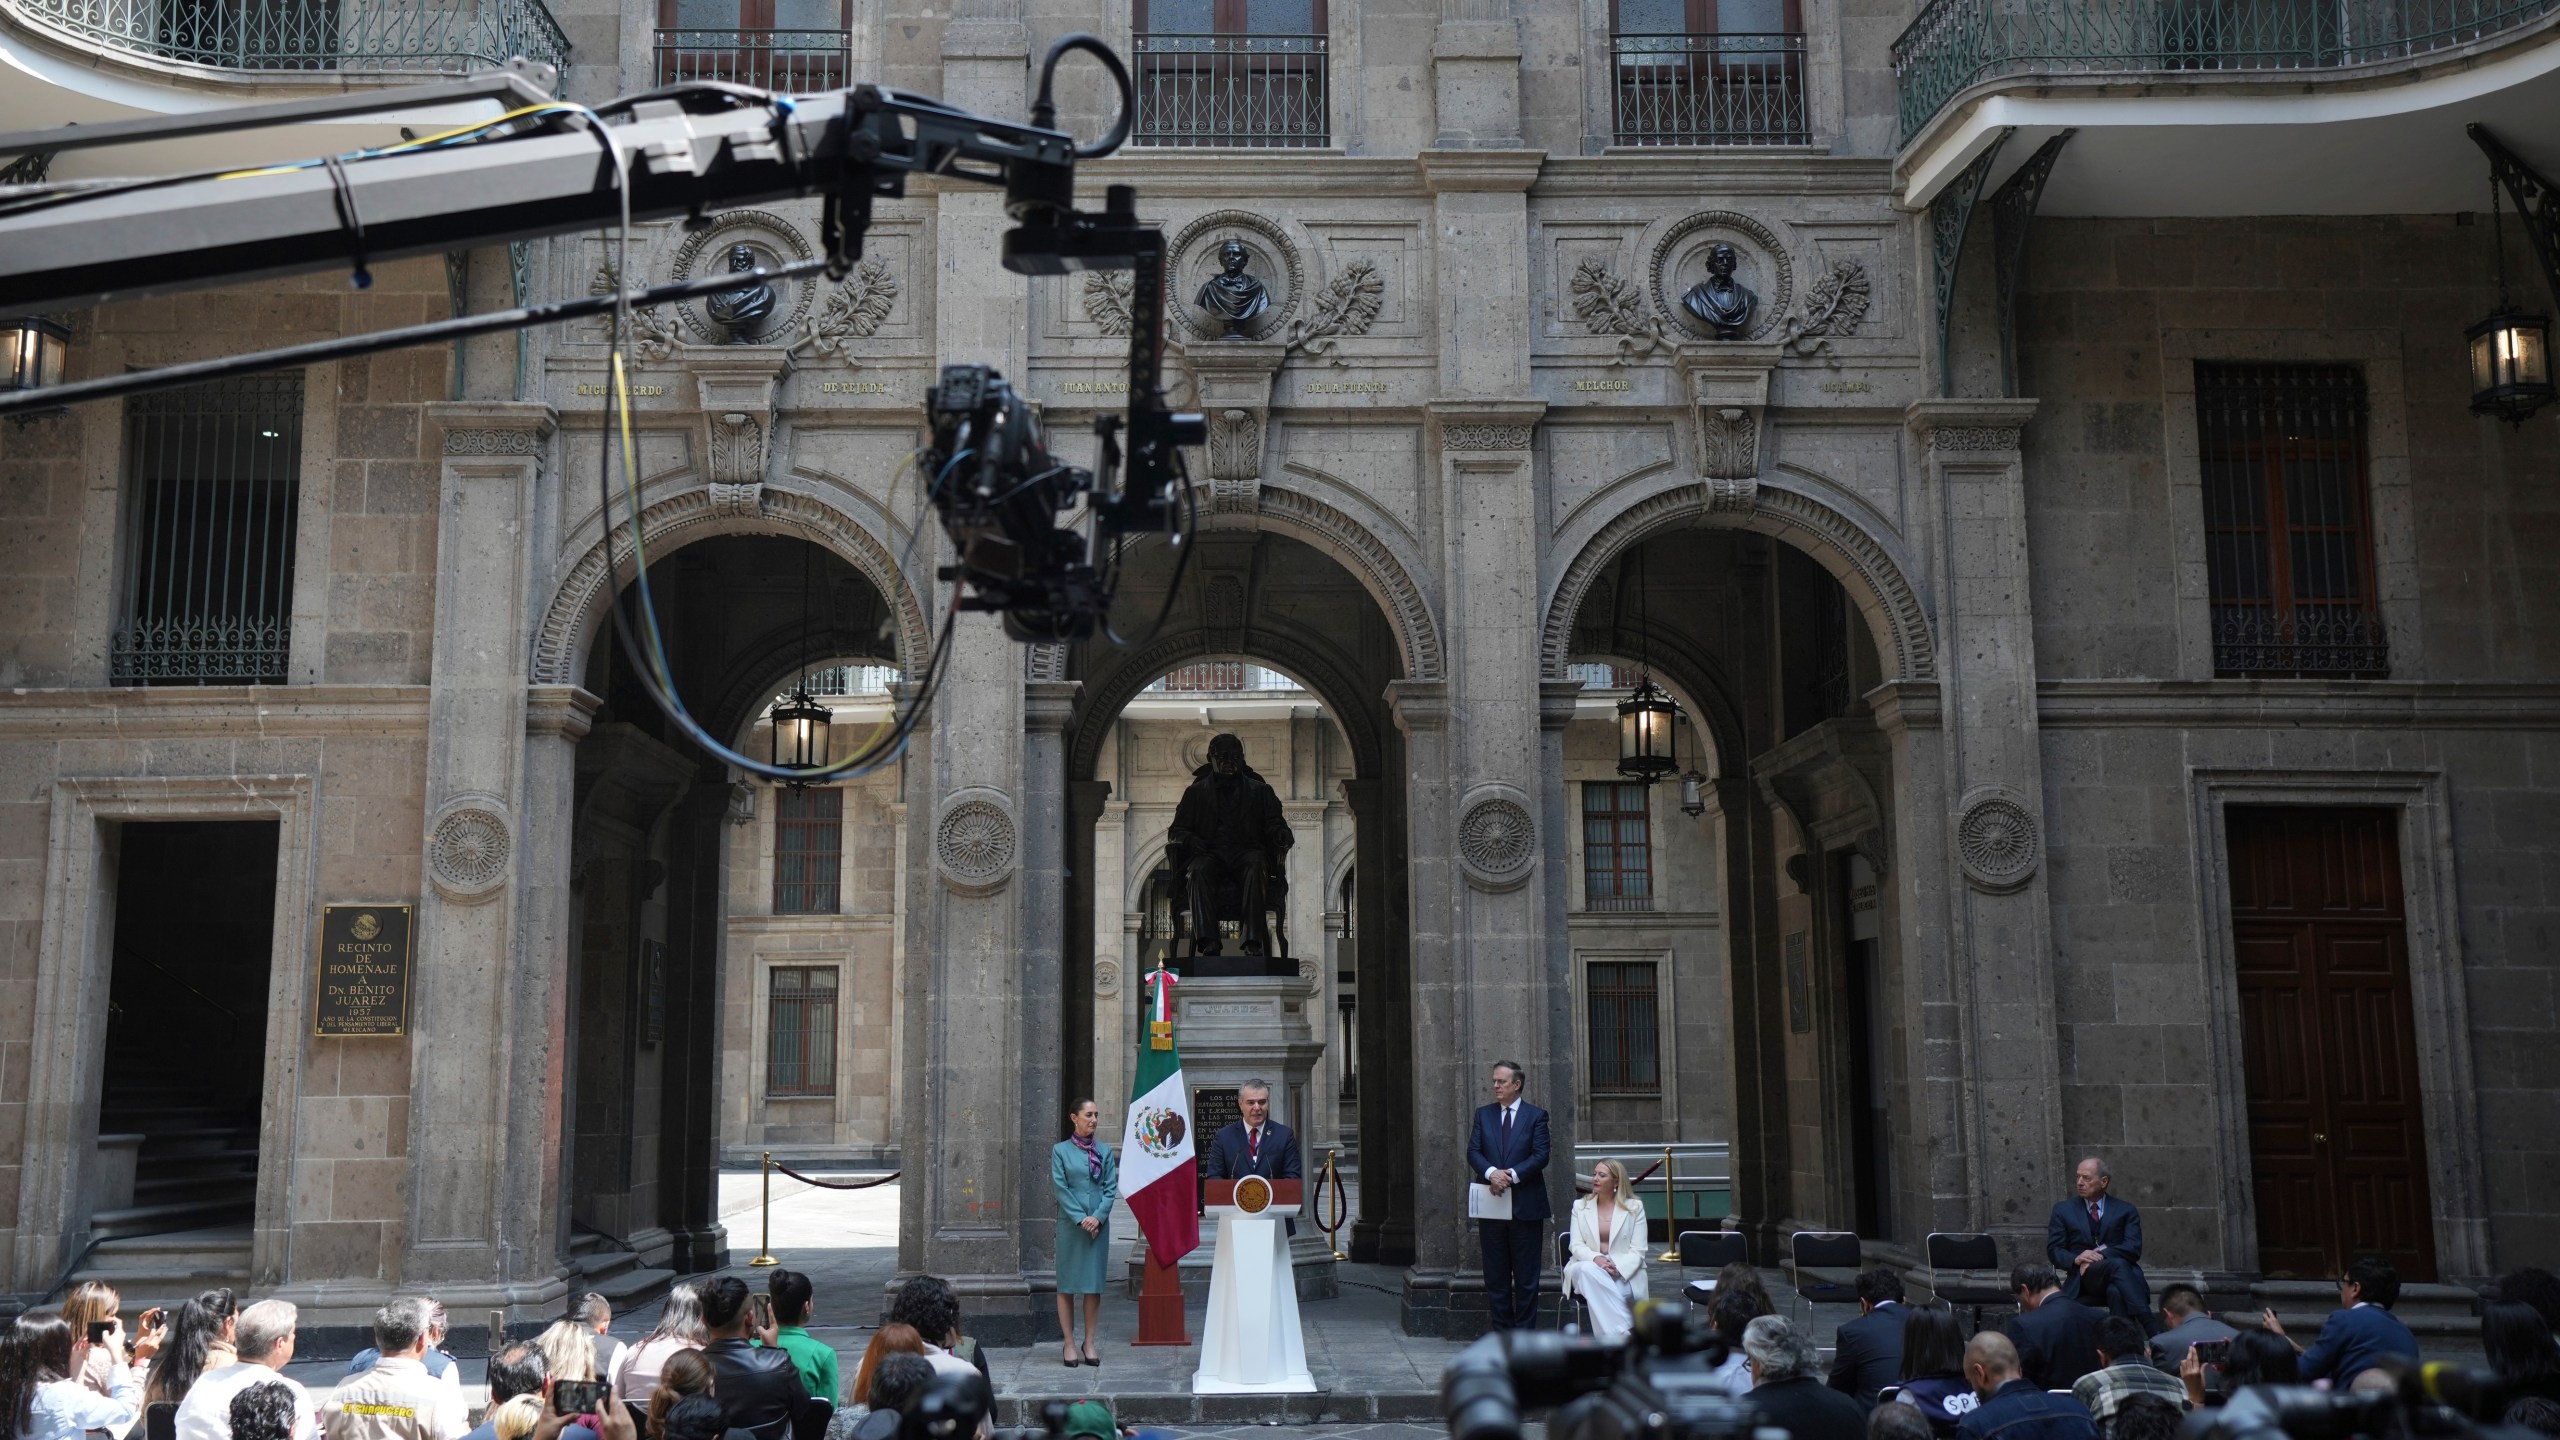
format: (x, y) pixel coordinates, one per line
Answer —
(2510, 364)
(800, 726)
(37, 348)
(1648, 744)
(2510, 351)
(1693, 793)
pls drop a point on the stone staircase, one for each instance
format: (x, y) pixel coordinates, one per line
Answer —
(170, 1266)
(2441, 1316)
(177, 1188)
(604, 1266)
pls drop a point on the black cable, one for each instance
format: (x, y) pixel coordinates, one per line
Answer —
(349, 218)
(1182, 545)
(1044, 108)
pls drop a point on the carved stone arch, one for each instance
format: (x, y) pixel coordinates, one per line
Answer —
(577, 605)
(1142, 866)
(743, 691)
(1106, 695)
(1389, 574)
(1875, 581)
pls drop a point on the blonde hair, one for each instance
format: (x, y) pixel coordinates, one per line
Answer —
(568, 1351)
(515, 1418)
(1617, 1172)
(89, 1301)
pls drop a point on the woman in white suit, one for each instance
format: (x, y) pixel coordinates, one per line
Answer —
(1607, 1269)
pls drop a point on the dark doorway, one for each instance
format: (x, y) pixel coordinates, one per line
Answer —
(187, 1023)
(2336, 1134)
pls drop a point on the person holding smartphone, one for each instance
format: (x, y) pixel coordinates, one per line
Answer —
(40, 1396)
(757, 1384)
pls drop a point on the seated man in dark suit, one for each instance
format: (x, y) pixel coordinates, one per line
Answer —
(2056, 1337)
(1255, 1145)
(1869, 1348)
(1784, 1392)
(758, 1385)
(2095, 1243)
(2013, 1406)
(2360, 1331)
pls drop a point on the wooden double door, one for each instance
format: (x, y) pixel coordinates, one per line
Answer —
(2336, 1135)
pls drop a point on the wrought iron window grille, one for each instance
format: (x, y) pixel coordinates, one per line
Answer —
(1622, 1003)
(800, 1033)
(785, 60)
(1254, 91)
(1617, 847)
(1709, 89)
(213, 487)
(436, 37)
(808, 850)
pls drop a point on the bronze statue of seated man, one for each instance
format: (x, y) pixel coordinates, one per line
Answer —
(1229, 829)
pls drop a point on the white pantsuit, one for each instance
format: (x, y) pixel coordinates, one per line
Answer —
(1612, 1299)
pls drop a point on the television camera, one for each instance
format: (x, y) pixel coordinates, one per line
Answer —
(2425, 1399)
(1660, 1385)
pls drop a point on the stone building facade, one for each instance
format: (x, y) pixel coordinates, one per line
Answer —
(2050, 767)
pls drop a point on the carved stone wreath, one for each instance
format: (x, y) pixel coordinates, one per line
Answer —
(1106, 977)
(1777, 287)
(1106, 300)
(855, 311)
(1259, 234)
(1998, 841)
(974, 844)
(1497, 841)
(706, 248)
(467, 850)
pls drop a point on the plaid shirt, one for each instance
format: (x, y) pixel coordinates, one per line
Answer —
(2103, 1390)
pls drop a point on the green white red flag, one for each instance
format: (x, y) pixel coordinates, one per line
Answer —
(1159, 1166)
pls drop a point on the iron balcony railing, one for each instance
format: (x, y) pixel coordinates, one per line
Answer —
(404, 36)
(1958, 43)
(2343, 642)
(1250, 90)
(794, 60)
(1709, 89)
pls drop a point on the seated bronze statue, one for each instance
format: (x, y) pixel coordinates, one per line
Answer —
(1229, 839)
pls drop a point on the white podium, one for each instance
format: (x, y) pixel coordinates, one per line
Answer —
(1253, 1346)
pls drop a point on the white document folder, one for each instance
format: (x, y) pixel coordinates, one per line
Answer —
(1483, 1204)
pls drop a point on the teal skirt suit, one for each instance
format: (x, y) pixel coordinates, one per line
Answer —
(1083, 1258)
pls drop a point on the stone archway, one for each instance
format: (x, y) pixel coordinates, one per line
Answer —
(1386, 570)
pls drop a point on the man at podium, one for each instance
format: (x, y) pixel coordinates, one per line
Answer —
(1254, 1145)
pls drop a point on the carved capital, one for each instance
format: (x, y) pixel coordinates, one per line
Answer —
(737, 402)
(1976, 429)
(1728, 387)
(1232, 379)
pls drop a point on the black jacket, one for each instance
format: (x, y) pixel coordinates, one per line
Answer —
(1214, 819)
(1806, 1410)
(1870, 1353)
(755, 1386)
(2057, 1341)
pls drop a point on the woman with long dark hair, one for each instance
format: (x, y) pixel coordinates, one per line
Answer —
(41, 1397)
(1933, 1368)
(635, 1377)
(2520, 1348)
(199, 1340)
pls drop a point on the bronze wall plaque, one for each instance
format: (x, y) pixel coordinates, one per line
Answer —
(364, 971)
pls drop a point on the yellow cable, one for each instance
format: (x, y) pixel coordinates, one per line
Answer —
(543, 109)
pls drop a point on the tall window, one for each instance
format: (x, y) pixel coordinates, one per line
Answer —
(770, 44)
(1232, 72)
(1617, 847)
(1709, 72)
(800, 1050)
(808, 850)
(212, 479)
(1624, 1013)
(2288, 536)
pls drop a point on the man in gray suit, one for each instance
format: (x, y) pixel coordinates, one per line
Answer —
(2182, 1307)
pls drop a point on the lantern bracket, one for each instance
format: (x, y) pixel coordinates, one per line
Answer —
(2537, 201)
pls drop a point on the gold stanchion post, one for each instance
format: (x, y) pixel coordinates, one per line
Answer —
(764, 1244)
(1670, 1209)
(1341, 1205)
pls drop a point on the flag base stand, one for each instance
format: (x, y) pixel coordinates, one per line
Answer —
(1160, 1304)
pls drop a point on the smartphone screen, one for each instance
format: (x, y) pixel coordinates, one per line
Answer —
(99, 1330)
(577, 1397)
(2212, 1352)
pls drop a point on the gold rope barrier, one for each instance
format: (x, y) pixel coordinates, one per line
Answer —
(1670, 1209)
(764, 1244)
(1341, 1205)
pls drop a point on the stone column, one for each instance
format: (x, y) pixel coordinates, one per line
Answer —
(1048, 708)
(1998, 924)
(1475, 75)
(1081, 896)
(1440, 1102)
(486, 1022)
(1306, 943)
(697, 949)
(1384, 1230)
(556, 719)
(1556, 702)
(1114, 980)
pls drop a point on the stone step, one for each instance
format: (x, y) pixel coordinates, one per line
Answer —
(595, 1267)
(171, 1215)
(628, 1288)
(202, 1190)
(2428, 1310)
(172, 1265)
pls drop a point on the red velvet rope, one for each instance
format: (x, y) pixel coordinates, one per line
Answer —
(1579, 1188)
(835, 1184)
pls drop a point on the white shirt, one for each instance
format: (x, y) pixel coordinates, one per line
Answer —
(65, 1408)
(1510, 1117)
(206, 1412)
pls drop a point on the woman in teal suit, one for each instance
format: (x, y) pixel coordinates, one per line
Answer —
(1086, 1176)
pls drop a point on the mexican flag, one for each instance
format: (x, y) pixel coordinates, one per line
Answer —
(1159, 1169)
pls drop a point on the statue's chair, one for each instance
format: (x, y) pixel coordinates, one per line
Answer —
(1169, 906)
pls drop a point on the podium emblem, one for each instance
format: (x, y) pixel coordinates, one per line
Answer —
(1253, 1195)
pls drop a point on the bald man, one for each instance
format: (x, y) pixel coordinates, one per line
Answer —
(2012, 1407)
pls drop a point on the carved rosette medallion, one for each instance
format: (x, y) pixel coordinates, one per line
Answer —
(1680, 261)
(774, 242)
(1999, 842)
(468, 847)
(1270, 257)
(1497, 839)
(975, 842)
(492, 442)
(1106, 978)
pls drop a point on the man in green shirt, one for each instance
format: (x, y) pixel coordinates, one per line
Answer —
(815, 1359)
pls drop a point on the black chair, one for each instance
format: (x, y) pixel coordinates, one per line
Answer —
(1823, 1265)
(1708, 1250)
(1976, 1258)
(160, 1420)
(809, 1422)
(780, 1427)
(1581, 1313)
(639, 1415)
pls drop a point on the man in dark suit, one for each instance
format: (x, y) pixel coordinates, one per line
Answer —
(1254, 1145)
(1869, 1353)
(2095, 1242)
(758, 1384)
(1507, 1152)
(2361, 1331)
(2056, 1336)
(2013, 1407)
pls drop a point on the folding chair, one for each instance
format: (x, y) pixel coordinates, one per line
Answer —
(1708, 1250)
(1823, 1267)
(1580, 1314)
(1977, 1259)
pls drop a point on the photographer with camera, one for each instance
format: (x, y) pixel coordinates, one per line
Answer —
(1786, 1391)
(2013, 1406)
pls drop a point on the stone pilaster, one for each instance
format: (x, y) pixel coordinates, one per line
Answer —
(1383, 1233)
(1475, 76)
(1554, 960)
(556, 719)
(1048, 707)
(484, 1139)
(1991, 803)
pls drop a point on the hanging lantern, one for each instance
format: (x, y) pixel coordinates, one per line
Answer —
(1693, 793)
(1647, 749)
(37, 348)
(2510, 364)
(800, 726)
